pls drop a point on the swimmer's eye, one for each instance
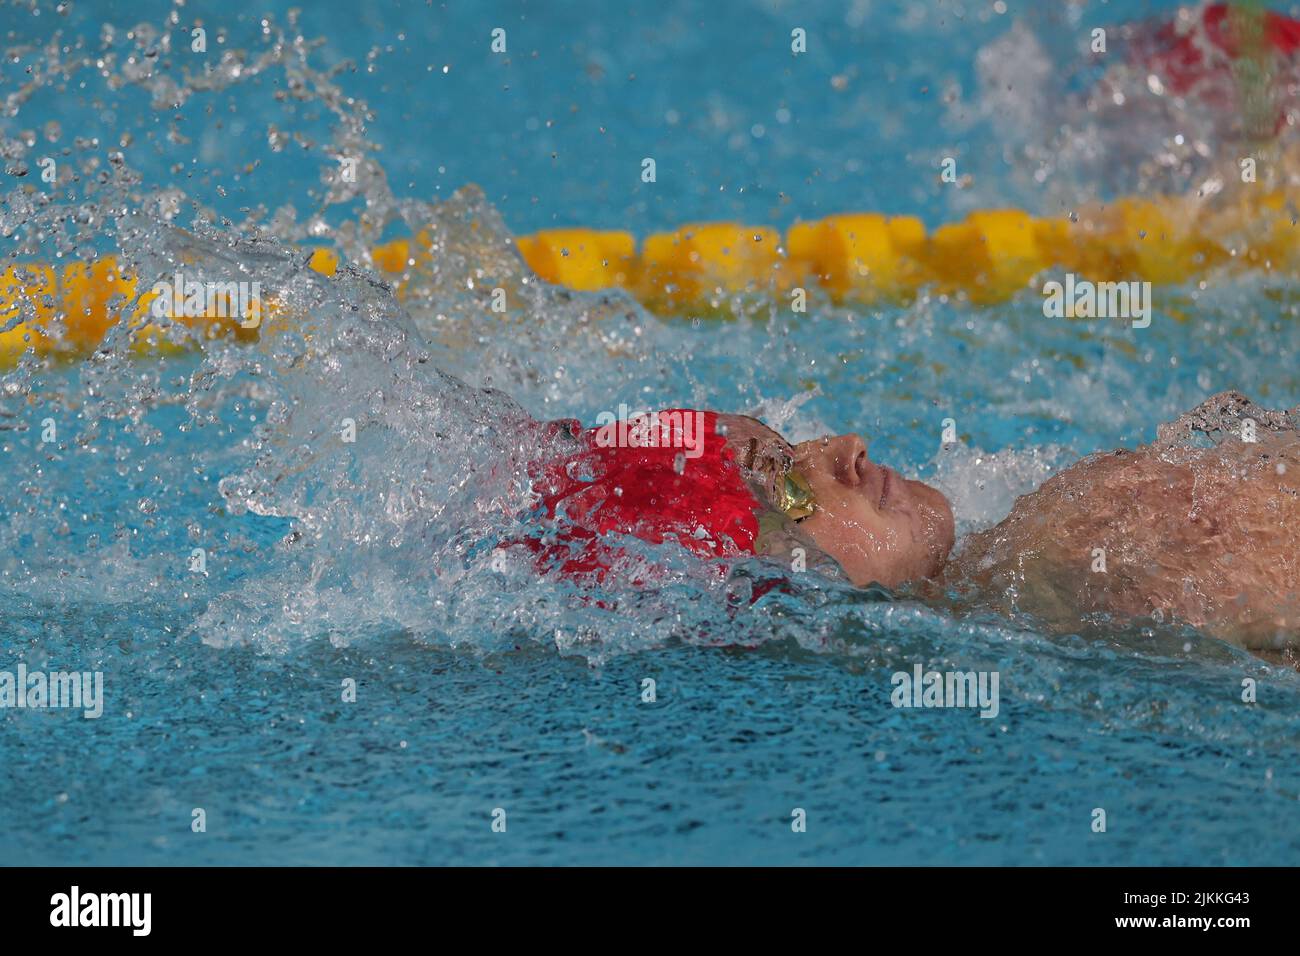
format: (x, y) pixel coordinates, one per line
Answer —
(796, 499)
(788, 489)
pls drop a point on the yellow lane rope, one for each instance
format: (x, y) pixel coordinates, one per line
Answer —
(987, 257)
(859, 257)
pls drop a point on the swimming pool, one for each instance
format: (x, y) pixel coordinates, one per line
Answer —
(347, 677)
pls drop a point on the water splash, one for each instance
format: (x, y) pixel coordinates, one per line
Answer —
(341, 484)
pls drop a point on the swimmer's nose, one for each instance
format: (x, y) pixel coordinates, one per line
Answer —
(851, 465)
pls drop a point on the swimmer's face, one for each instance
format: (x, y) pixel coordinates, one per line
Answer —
(877, 525)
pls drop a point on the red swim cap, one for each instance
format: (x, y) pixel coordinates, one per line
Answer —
(667, 477)
(1180, 57)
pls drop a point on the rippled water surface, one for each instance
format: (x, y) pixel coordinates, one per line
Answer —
(481, 686)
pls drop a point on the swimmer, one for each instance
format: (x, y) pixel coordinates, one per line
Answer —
(1195, 52)
(1174, 531)
(743, 490)
(1162, 105)
(1236, 61)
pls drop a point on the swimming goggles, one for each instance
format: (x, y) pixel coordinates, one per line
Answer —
(790, 491)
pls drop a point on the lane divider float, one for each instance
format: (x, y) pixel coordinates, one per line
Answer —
(986, 258)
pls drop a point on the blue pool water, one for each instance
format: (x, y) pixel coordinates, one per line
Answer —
(481, 688)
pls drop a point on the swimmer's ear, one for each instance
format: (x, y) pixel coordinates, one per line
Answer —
(778, 537)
